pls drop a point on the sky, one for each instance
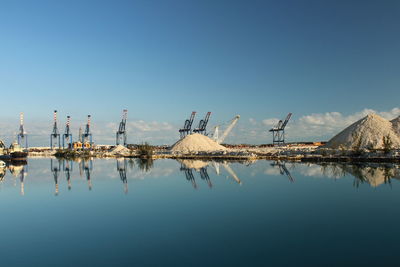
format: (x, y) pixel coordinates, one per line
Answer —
(327, 62)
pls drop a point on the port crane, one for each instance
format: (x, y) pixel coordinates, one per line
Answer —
(203, 124)
(187, 127)
(228, 129)
(55, 135)
(121, 133)
(22, 137)
(87, 135)
(67, 136)
(278, 132)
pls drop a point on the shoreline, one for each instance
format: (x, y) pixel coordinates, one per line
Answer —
(234, 155)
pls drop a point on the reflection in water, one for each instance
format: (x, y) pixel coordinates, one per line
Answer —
(86, 167)
(145, 165)
(68, 168)
(283, 170)
(3, 171)
(188, 166)
(55, 167)
(189, 175)
(204, 176)
(121, 168)
(232, 173)
(372, 174)
(18, 170)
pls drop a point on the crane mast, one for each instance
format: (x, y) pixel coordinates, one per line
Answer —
(87, 135)
(121, 133)
(67, 136)
(203, 124)
(187, 127)
(22, 136)
(55, 135)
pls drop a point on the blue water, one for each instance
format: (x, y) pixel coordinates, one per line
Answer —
(152, 214)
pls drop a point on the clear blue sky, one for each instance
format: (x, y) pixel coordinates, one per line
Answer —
(163, 59)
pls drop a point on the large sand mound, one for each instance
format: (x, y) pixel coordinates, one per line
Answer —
(196, 143)
(365, 133)
(396, 125)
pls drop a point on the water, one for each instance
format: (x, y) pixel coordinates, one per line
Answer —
(124, 213)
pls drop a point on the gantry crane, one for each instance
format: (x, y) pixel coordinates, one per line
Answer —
(187, 127)
(55, 135)
(203, 124)
(22, 137)
(87, 135)
(228, 129)
(278, 132)
(121, 133)
(67, 136)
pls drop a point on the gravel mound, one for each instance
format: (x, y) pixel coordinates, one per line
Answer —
(366, 133)
(119, 150)
(196, 143)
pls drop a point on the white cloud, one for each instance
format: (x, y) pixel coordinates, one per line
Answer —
(270, 122)
(149, 126)
(252, 121)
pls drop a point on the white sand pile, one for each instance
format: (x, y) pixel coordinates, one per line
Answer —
(194, 164)
(396, 125)
(196, 143)
(366, 133)
(119, 150)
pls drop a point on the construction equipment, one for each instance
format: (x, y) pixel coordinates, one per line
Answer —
(121, 133)
(187, 127)
(228, 129)
(278, 132)
(22, 137)
(55, 135)
(86, 137)
(67, 136)
(203, 124)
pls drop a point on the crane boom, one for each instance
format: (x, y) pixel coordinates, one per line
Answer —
(286, 121)
(228, 129)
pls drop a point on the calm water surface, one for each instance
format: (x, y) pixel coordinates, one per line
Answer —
(166, 212)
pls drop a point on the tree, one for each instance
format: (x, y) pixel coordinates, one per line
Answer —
(387, 144)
